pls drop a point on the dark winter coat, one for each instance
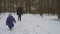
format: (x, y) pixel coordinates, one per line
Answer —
(19, 11)
(10, 21)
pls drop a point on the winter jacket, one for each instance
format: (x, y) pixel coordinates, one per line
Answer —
(19, 11)
(10, 21)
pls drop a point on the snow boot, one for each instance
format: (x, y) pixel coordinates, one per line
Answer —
(10, 28)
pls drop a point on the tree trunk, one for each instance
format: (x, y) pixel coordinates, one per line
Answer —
(0, 5)
(58, 2)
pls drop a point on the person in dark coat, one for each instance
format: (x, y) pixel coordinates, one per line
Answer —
(19, 13)
(10, 21)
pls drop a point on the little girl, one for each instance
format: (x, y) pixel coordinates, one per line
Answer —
(10, 21)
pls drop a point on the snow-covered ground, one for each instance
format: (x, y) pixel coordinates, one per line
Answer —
(31, 24)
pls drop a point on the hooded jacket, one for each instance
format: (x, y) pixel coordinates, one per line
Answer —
(10, 21)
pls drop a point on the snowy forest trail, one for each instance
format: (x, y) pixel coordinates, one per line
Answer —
(31, 24)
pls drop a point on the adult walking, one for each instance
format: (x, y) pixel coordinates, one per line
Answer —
(19, 13)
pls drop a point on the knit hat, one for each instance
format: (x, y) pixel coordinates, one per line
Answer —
(10, 14)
